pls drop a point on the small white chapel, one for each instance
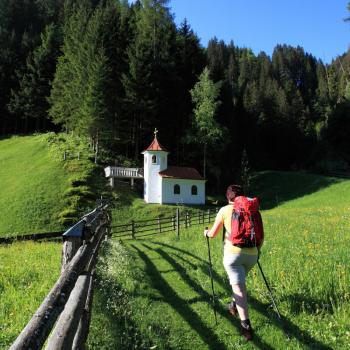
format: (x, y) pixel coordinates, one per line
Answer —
(170, 184)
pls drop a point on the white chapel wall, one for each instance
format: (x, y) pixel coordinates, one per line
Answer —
(185, 195)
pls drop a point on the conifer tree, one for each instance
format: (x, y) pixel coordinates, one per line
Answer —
(150, 76)
(81, 97)
(30, 101)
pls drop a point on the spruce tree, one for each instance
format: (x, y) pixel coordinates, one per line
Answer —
(82, 93)
(30, 101)
(150, 77)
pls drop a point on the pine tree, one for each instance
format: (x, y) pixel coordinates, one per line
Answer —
(81, 97)
(190, 62)
(21, 22)
(150, 77)
(30, 101)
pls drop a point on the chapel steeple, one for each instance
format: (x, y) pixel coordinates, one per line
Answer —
(155, 145)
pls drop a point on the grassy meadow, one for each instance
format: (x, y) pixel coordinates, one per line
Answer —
(32, 183)
(28, 271)
(41, 192)
(155, 293)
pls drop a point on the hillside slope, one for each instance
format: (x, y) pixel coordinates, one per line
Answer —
(31, 186)
(39, 192)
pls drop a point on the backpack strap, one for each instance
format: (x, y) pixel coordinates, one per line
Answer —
(223, 234)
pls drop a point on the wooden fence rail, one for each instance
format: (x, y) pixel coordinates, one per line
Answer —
(70, 299)
(164, 224)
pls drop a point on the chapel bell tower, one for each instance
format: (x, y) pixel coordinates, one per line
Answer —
(155, 160)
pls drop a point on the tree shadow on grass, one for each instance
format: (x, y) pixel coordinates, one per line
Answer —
(178, 304)
(300, 303)
(120, 331)
(276, 187)
(283, 324)
(203, 296)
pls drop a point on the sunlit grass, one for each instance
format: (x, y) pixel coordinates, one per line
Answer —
(159, 288)
(32, 183)
(28, 271)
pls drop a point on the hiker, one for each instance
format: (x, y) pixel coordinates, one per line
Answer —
(239, 258)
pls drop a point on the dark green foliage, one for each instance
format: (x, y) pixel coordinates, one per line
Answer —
(21, 24)
(30, 101)
(338, 131)
(114, 71)
(149, 81)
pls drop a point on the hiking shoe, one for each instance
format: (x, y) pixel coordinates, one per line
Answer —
(232, 308)
(247, 331)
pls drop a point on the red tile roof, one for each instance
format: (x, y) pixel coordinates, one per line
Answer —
(155, 146)
(177, 172)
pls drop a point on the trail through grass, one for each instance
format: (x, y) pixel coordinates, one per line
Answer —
(156, 293)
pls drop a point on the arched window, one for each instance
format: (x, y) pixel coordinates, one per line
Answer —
(194, 190)
(177, 189)
(154, 159)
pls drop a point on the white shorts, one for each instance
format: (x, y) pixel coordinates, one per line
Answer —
(237, 265)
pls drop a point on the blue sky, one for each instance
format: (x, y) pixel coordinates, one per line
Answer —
(316, 25)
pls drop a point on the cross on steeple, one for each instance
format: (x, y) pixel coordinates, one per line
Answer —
(155, 133)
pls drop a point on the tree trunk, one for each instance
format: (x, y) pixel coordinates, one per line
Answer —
(204, 159)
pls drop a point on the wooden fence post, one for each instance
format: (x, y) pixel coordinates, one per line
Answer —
(189, 219)
(159, 225)
(173, 221)
(178, 223)
(133, 229)
(208, 216)
(70, 247)
(203, 217)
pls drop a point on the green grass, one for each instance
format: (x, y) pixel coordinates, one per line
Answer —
(156, 291)
(129, 205)
(28, 271)
(39, 191)
(31, 186)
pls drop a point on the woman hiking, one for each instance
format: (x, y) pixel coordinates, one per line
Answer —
(240, 253)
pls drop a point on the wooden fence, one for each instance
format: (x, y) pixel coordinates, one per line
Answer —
(142, 228)
(66, 311)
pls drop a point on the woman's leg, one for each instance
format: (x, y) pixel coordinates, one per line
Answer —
(240, 295)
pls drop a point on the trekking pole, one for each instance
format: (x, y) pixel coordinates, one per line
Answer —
(211, 278)
(273, 300)
(270, 292)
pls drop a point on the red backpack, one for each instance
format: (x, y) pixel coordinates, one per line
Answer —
(246, 224)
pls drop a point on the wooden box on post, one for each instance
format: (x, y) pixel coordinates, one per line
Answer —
(72, 241)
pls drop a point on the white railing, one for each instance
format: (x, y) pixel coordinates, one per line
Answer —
(128, 173)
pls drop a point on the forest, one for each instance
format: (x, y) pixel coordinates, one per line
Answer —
(114, 71)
